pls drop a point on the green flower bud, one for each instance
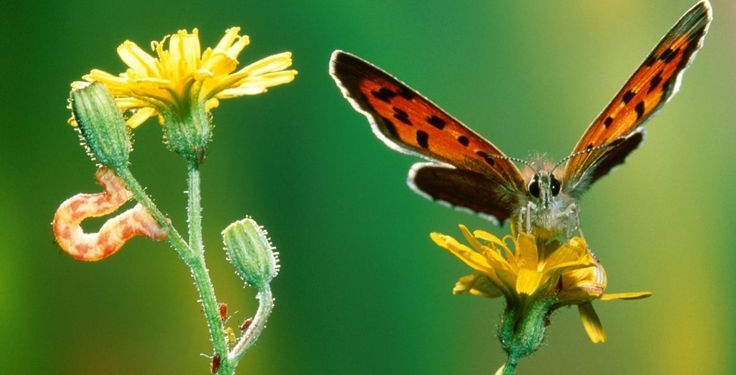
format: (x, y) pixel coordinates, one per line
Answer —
(101, 126)
(250, 251)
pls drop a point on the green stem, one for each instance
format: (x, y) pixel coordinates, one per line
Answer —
(139, 193)
(200, 275)
(250, 336)
(509, 368)
(193, 256)
(211, 313)
(194, 209)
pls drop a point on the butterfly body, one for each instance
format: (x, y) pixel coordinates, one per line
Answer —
(545, 209)
(467, 171)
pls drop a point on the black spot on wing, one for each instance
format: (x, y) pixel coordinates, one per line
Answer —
(463, 140)
(401, 115)
(423, 139)
(628, 95)
(406, 93)
(436, 122)
(668, 55)
(384, 94)
(655, 81)
(639, 109)
(650, 59)
(608, 121)
(486, 157)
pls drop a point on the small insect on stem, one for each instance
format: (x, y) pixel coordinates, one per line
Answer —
(223, 311)
(215, 364)
(246, 324)
(114, 232)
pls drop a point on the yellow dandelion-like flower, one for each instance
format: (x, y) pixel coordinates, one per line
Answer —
(525, 271)
(182, 76)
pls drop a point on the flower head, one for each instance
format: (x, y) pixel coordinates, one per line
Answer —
(182, 84)
(526, 271)
(181, 75)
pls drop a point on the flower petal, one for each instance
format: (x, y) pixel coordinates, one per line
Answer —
(591, 323)
(477, 284)
(526, 252)
(624, 296)
(466, 254)
(137, 59)
(268, 64)
(527, 281)
(485, 236)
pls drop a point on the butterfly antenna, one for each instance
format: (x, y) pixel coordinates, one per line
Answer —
(518, 160)
(589, 150)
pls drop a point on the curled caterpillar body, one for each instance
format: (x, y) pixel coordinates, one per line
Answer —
(114, 232)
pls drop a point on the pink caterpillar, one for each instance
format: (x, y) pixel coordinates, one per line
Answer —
(114, 233)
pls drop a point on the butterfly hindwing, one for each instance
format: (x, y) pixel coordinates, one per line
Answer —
(648, 89)
(616, 155)
(463, 188)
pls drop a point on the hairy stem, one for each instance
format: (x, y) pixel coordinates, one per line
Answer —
(200, 275)
(192, 254)
(139, 193)
(509, 368)
(250, 336)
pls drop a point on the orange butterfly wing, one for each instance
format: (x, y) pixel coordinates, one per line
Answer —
(408, 122)
(618, 129)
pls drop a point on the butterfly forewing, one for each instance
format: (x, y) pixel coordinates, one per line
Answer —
(408, 122)
(650, 87)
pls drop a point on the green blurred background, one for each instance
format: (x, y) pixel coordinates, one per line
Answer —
(362, 289)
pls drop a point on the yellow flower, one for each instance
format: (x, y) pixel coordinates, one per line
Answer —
(525, 270)
(182, 76)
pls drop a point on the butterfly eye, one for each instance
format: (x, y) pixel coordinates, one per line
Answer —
(554, 186)
(534, 187)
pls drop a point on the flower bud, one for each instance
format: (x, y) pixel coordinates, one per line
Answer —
(100, 125)
(250, 251)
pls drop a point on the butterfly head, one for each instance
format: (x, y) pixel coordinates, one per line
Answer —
(542, 184)
(547, 210)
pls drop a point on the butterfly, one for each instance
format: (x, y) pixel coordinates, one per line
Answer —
(467, 171)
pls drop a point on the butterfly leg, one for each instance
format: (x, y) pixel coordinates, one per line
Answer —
(571, 215)
(524, 220)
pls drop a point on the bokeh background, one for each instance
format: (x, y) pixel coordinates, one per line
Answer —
(362, 289)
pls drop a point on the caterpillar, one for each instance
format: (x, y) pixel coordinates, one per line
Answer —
(114, 233)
